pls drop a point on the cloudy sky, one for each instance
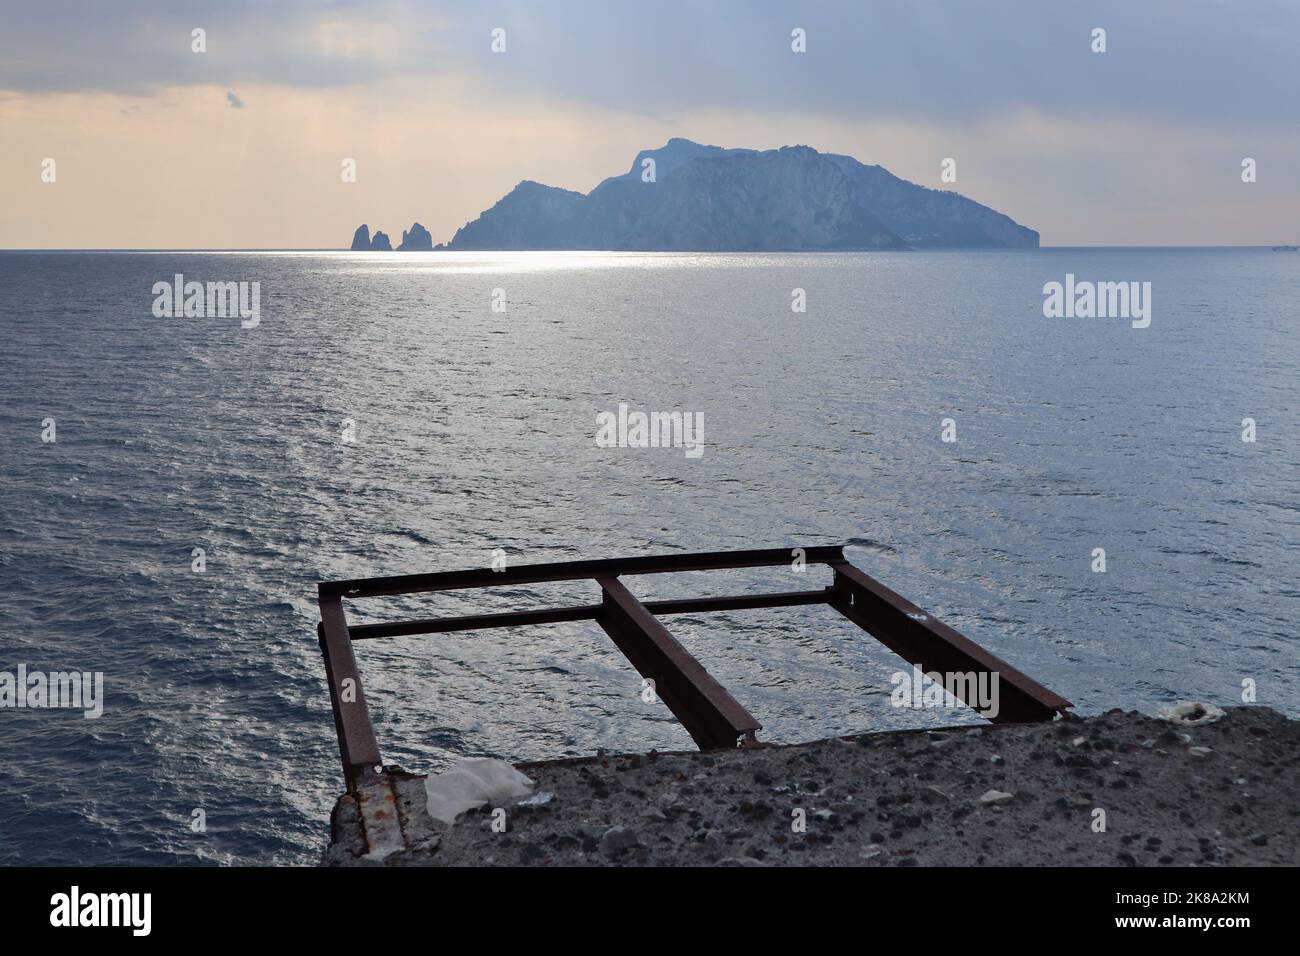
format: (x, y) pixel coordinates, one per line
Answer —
(242, 146)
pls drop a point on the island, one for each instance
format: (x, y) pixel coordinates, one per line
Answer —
(686, 196)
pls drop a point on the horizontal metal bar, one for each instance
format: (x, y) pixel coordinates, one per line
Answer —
(586, 612)
(575, 570)
(713, 718)
(928, 643)
(739, 602)
(475, 622)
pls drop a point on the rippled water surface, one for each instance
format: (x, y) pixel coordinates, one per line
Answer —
(474, 431)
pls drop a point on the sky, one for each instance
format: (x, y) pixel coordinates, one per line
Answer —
(244, 145)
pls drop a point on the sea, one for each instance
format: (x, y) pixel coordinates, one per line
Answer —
(1113, 507)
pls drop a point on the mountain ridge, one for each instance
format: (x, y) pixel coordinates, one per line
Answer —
(688, 196)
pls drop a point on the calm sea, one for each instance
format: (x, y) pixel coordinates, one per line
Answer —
(473, 430)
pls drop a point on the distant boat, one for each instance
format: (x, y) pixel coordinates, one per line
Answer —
(1286, 248)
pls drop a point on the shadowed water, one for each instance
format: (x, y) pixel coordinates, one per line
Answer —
(475, 431)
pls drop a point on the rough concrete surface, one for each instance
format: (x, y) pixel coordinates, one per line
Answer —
(1226, 792)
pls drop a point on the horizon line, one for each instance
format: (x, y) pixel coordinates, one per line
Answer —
(729, 252)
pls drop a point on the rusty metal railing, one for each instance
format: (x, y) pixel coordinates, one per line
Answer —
(713, 718)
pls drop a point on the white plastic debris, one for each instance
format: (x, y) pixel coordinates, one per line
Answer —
(1190, 713)
(993, 797)
(471, 784)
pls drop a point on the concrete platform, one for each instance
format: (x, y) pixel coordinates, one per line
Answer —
(1021, 795)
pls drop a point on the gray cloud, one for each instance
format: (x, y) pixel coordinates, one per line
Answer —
(234, 100)
(1198, 63)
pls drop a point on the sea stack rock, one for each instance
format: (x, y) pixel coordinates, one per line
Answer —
(361, 238)
(380, 242)
(417, 240)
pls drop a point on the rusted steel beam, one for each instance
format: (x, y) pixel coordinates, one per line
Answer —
(931, 645)
(738, 602)
(475, 622)
(357, 744)
(574, 570)
(381, 821)
(587, 612)
(713, 718)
